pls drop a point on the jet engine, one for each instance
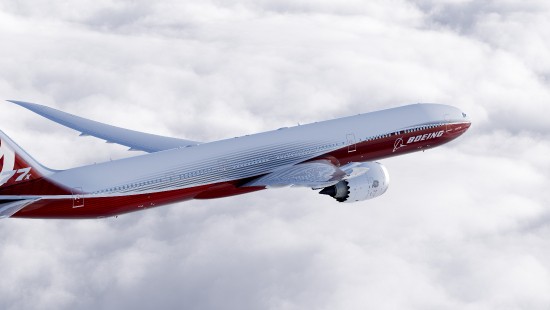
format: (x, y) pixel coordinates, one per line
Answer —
(373, 183)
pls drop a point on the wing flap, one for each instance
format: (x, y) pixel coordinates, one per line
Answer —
(135, 140)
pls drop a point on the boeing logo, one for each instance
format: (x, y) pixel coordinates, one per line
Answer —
(399, 143)
(427, 136)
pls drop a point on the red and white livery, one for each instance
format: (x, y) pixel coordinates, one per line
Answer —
(337, 157)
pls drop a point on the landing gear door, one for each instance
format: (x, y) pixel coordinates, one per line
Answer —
(78, 199)
(351, 142)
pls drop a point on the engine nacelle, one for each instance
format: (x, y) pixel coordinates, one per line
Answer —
(368, 185)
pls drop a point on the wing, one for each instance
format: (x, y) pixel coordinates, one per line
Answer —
(314, 174)
(134, 139)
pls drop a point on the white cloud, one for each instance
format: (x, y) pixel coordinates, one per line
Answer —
(463, 226)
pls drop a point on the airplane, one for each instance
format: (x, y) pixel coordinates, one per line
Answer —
(338, 157)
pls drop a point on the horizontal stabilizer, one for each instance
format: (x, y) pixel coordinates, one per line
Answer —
(10, 207)
(136, 140)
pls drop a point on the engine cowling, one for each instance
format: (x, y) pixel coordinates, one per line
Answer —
(368, 185)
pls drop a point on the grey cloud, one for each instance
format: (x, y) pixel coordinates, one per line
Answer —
(520, 28)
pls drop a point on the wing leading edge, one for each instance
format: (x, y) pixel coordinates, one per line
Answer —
(135, 140)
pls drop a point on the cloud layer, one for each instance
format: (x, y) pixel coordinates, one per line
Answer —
(464, 226)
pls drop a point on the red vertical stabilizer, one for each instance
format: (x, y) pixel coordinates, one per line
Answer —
(20, 174)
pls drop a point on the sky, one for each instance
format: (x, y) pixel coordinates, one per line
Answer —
(462, 226)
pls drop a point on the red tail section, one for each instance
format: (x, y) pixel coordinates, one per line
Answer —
(13, 168)
(20, 174)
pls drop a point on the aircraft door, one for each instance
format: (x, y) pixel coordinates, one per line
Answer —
(78, 199)
(350, 138)
(447, 126)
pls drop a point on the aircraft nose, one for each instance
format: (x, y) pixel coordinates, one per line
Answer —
(466, 119)
(466, 122)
